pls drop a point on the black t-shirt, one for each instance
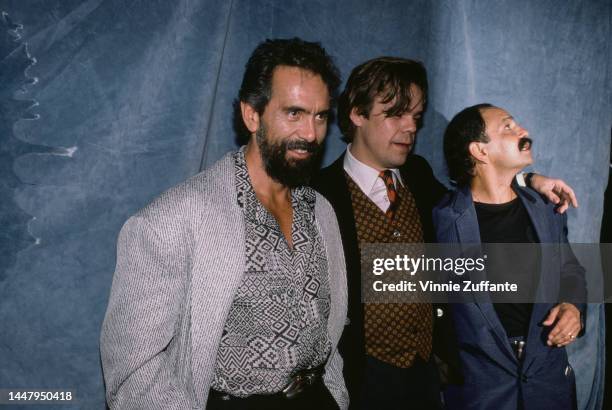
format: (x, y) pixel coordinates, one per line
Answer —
(510, 223)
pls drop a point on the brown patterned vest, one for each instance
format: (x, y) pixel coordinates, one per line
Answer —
(394, 332)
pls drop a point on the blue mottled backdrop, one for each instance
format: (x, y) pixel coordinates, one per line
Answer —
(105, 104)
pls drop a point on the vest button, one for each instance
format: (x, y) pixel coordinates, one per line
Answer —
(397, 234)
(439, 312)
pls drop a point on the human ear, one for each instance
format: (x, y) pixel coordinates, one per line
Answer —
(478, 151)
(356, 118)
(250, 116)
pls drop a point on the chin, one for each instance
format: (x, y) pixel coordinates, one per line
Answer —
(393, 165)
(399, 161)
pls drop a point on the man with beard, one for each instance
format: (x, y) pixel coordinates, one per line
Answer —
(382, 193)
(512, 354)
(230, 288)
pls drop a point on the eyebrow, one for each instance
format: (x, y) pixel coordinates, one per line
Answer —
(305, 111)
(396, 109)
(510, 117)
(413, 112)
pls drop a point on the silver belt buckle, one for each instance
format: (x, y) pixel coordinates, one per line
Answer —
(299, 383)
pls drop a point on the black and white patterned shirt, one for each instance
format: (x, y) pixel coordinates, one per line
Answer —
(277, 323)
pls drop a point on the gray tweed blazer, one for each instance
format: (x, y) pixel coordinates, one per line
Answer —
(180, 261)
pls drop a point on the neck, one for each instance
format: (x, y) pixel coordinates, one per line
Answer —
(266, 188)
(358, 151)
(492, 188)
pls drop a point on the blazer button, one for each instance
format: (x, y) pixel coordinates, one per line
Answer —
(439, 312)
(397, 234)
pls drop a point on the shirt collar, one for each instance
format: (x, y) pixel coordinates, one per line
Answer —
(364, 175)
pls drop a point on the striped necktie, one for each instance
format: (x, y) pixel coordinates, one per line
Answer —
(387, 177)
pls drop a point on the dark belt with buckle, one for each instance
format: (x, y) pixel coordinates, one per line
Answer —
(300, 382)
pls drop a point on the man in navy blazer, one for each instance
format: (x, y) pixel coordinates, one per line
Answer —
(512, 355)
(379, 115)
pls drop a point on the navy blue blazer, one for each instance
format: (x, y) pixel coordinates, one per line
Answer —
(491, 372)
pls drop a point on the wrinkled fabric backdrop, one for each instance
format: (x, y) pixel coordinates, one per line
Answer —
(105, 104)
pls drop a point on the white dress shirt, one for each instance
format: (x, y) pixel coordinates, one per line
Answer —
(368, 180)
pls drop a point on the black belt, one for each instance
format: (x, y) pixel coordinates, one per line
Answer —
(300, 382)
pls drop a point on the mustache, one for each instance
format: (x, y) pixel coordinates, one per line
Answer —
(311, 147)
(525, 144)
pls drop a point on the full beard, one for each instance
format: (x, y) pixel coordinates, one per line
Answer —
(291, 173)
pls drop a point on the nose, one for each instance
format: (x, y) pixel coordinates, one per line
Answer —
(308, 130)
(408, 123)
(523, 132)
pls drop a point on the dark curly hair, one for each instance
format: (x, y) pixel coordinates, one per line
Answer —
(256, 87)
(466, 127)
(386, 77)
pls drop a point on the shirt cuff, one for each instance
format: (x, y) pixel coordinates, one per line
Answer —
(520, 179)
